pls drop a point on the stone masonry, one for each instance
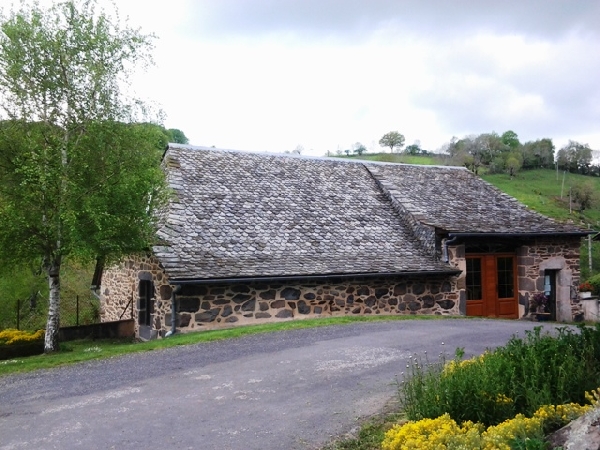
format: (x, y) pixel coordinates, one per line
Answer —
(210, 306)
(557, 254)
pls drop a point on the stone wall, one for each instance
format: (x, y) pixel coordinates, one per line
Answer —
(457, 258)
(561, 255)
(119, 290)
(209, 306)
(212, 306)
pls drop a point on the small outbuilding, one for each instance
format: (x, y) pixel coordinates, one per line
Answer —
(252, 238)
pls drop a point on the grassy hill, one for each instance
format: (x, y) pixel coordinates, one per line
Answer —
(547, 192)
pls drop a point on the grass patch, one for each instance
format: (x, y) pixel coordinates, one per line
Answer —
(370, 436)
(85, 350)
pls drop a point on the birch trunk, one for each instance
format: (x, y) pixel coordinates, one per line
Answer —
(53, 323)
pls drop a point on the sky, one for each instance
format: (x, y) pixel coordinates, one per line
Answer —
(272, 75)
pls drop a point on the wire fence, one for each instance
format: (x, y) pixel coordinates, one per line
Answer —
(31, 314)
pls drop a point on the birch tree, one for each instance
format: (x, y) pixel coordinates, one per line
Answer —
(78, 177)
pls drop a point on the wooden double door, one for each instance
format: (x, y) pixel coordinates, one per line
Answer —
(491, 284)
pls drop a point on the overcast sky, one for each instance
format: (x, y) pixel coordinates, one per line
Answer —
(269, 75)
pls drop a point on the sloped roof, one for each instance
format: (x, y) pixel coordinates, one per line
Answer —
(239, 215)
(456, 200)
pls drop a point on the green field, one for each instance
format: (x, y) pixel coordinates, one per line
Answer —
(422, 160)
(547, 192)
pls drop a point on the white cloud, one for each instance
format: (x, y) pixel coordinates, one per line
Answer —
(272, 74)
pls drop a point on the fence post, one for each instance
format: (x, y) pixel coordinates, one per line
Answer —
(18, 313)
(77, 303)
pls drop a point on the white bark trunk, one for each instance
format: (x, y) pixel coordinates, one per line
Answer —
(53, 323)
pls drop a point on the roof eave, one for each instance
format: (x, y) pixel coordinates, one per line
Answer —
(448, 272)
(517, 235)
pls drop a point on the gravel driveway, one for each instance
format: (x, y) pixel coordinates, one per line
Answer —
(287, 390)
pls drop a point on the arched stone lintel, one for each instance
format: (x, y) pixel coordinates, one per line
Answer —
(144, 275)
(554, 263)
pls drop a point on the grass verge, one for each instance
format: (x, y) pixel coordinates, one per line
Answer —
(370, 436)
(87, 349)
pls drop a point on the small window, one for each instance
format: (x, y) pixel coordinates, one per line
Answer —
(474, 291)
(506, 284)
(146, 292)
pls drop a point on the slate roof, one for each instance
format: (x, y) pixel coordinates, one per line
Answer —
(238, 215)
(454, 199)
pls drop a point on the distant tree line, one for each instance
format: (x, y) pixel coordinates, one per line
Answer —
(505, 153)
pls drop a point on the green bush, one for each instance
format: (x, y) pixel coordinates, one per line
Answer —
(518, 378)
(595, 282)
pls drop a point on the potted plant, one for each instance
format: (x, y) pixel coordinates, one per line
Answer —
(538, 305)
(585, 289)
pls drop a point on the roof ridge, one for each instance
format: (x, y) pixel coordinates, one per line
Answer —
(307, 157)
(423, 233)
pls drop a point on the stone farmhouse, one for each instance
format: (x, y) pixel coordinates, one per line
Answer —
(251, 238)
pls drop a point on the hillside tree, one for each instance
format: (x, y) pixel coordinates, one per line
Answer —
(78, 177)
(575, 157)
(584, 195)
(538, 154)
(359, 148)
(177, 136)
(511, 139)
(414, 148)
(393, 140)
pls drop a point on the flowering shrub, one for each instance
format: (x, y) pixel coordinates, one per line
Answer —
(538, 302)
(433, 434)
(586, 287)
(11, 336)
(555, 417)
(594, 282)
(455, 365)
(520, 377)
(593, 397)
(443, 433)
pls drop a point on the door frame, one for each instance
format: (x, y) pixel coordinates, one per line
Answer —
(490, 305)
(145, 307)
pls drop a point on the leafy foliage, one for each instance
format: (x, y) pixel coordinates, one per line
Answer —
(575, 157)
(393, 140)
(595, 284)
(359, 148)
(177, 136)
(78, 177)
(584, 194)
(519, 432)
(518, 378)
(500, 154)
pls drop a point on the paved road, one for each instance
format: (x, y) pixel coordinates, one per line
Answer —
(288, 390)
